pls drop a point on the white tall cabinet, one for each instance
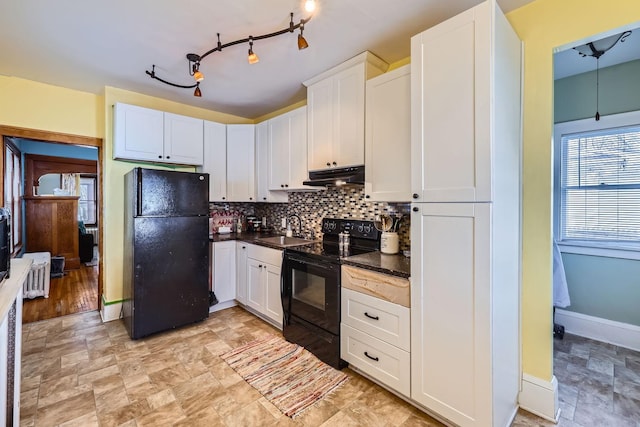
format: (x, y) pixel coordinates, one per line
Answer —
(465, 225)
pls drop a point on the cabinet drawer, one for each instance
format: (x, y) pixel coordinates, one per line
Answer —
(268, 255)
(383, 362)
(381, 319)
(384, 286)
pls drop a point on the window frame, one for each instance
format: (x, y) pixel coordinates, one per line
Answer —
(12, 193)
(95, 197)
(609, 249)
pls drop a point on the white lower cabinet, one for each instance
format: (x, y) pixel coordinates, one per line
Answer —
(375, 338)
(224, 274)
(241, 272)
(263, 283)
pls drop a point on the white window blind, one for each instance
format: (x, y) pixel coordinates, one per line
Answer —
(600, 186)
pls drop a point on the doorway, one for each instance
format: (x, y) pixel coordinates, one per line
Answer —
(79, 289)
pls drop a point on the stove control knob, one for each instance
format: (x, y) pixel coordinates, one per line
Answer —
(360, 228)
(367, 228)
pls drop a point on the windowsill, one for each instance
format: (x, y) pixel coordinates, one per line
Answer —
(599, 249)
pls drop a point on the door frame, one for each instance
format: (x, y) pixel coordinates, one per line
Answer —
(69, 139)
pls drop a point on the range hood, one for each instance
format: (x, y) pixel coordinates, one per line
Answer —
(336, 176)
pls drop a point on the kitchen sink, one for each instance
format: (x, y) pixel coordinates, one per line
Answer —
(284, 242)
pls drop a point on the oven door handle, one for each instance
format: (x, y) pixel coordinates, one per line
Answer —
(326, 266)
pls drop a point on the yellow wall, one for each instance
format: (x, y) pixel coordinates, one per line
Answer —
(544, 25)
(33, 105)
(114, 171)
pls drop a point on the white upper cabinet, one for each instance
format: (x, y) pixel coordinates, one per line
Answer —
(241, 163)
(263, 167)
(335, 112)
(183, 139)
(150, 135)
(388, 137)
(457, 100)
(215, 159)
(288, 150)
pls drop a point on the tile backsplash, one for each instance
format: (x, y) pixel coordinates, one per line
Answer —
(333, 202)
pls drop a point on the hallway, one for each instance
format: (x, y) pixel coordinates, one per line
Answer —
(75, 292)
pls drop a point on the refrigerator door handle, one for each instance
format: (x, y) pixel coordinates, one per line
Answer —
(139, 196)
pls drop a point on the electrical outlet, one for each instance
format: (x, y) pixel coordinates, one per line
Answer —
(284, 223)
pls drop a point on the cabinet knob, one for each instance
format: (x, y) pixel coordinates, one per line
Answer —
(334, 164)
(264, 198)
(244, 247)
(416, 209)
(159, 157)
(328, 164)
(168, 157)
(286, 186)
(367, 196)
(223, 198)
(281, 185)
(250, 198)
(415, 195)
(259, 265)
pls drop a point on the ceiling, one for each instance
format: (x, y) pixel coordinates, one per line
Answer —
(568, 62)
(87, 45)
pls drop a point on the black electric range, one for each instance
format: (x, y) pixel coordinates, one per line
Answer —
(311, 286)
(363, 238)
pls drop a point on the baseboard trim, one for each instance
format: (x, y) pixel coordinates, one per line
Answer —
(609, 331)
(540, 397)
(222, 306)
(110, 312)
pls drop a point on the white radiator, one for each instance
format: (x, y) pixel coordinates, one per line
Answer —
(94, 232)
(39, 277)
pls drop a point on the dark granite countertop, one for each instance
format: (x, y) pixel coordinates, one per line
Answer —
(248, 237)
(396, 265)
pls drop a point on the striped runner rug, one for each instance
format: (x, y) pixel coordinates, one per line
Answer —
(286, 374)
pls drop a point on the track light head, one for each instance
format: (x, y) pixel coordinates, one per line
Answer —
(302, 42)
(197, 92)
(252, 58)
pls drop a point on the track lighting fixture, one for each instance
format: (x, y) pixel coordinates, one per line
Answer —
(252, 58)
(596, 49)
(195, 59)
(302, 42)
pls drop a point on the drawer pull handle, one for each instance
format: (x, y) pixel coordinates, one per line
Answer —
(371, 357)
(371, 317)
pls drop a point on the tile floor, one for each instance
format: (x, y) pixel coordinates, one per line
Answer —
(77, 371)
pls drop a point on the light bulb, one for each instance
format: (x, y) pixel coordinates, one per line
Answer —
(310, 5)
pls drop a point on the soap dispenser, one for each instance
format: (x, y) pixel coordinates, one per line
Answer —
(289, 232)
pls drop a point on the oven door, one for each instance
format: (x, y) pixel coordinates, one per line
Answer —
(311, 291)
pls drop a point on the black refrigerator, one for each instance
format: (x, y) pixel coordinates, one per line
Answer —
(166, 250)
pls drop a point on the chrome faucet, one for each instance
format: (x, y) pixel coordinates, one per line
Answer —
(299, 233)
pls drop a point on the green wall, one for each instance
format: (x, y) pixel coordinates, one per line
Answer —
(607, 288)
(575, 96)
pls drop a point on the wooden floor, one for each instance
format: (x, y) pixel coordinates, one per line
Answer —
(75, 292)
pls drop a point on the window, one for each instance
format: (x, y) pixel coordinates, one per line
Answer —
(598, 187)
(87, 205)
(12, 193)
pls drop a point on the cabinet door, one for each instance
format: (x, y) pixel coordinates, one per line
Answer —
(279, 154)
(348, 117)
(451, 367)
(298, 171)
(138, 133)
(451, 110)
(256, 291)
(183, 140)
(215, 159)
(240, 163)
(241, 272)
(388, 137)
(320, 124)
(273, 304)
(262, 161)
(224, 270)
